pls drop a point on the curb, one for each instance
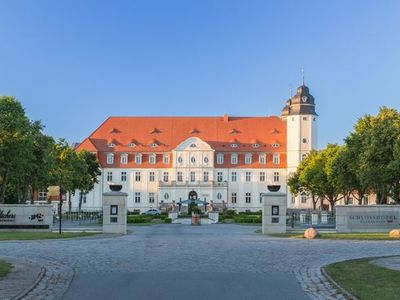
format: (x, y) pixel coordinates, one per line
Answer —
(337, 286)
(23, 293)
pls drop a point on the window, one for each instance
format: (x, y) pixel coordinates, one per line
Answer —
(205, 176)
(165, 176)
(110, 158)
(293, 199)
(248, 198)
(42, 196)
(111, 145)
(137, 176)
(206, 160)
(276, 176)
(304, 140)
(276, 145)
(123, 176)
(261, 196)
(276, 159)
(234, 159)
(349, 200)
(247, 159)
(220, 158)
(248, 176)
(124, 158)
(151, 197)
(256, 145)
(152, 176)
(152, 159)
(262, 176)
(234, 145)
(233, 176)
(131, 145)
(180, 159)
(262, 159)
(179, 176)
(166, 159)
(137, 197)
(234, 198)
(303, 198)
(192, 176)
(166, 196)
(304, 118)
(109, 176)
(219, 176)
(193, 160)
(193, 146)
(219, 196)
(138, 159)
(152, 145)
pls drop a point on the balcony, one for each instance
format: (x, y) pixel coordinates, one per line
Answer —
(197, 184)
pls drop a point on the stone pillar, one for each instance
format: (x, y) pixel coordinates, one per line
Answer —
(274, 212)
(114, 212)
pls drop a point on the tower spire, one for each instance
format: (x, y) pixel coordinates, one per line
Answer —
(302, 76)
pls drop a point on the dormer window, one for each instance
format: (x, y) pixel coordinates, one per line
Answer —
(138, 159)
(248, 159)
(110, 158)
(166, 159)
(193, 146)
(234, 145)
(124, 158)
(152, 145)
(111, 145)
(256, 145)
(262, 159)
(131, 145)
(152, 159)
(276, 159)
(220, 158)
(275, 145)
(234, 159)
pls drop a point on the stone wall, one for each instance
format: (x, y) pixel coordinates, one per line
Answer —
(367, 218)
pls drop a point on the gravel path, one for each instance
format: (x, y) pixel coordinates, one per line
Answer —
(231, 251)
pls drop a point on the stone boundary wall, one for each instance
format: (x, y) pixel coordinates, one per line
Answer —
(367, 218)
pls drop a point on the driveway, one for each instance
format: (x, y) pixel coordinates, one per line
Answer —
(186, 262)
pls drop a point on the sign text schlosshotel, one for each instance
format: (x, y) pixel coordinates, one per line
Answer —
(373, 219)
(6, 216)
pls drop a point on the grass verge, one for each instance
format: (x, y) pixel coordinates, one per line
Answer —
(6, 236)
(384, 236)
(5, 267)
(364, 280)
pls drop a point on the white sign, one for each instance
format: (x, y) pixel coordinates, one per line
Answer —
(23, 217)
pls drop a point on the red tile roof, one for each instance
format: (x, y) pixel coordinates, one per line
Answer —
(168, 132)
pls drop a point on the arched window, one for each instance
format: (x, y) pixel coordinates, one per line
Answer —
(110, 158)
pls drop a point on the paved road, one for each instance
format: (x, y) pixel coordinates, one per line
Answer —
(181, 262)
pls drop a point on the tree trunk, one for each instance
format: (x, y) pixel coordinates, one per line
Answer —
(80, 201)
(3, 186)
(314, 202)
(69, 202)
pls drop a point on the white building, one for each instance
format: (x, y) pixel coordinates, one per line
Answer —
(222, 160)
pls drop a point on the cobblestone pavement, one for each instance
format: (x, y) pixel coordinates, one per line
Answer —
(180, 248)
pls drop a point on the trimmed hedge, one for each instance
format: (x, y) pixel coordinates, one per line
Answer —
(247, 219)
(168, 220)
(139, 219)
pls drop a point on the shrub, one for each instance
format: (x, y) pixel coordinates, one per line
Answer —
(139, 219)
(168, 220)
(230, 213)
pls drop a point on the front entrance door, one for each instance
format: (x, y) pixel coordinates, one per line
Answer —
(192, 195)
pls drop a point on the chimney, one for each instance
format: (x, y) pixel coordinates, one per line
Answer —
(226, 118)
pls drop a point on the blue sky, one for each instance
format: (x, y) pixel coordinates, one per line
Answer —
(74, 63)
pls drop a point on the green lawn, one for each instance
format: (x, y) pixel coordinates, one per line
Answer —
(5, 236)
(340, 236)
(364, 280)
(5, 267)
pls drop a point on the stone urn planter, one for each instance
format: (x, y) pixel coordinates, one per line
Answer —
(196, 219)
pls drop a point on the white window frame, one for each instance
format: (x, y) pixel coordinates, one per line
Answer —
(138, 158)
(165, 176)
(124, 158)
(179, 176)
(248, 159)
(123, 176)
(152, 176)
(205, 176)
(109, 176)
(234, 176)
(262, 159)
(192, 175)
(220, 158)
(234, 198)
(276, 159)
(110, 158)
(138, 176)
(234, 159)
(166, 159)
(248, 198)
(152, 159)
(137, 197)
(220, 176)
(248, 176)
(262, 176)
(152, 197)
(277, 177)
